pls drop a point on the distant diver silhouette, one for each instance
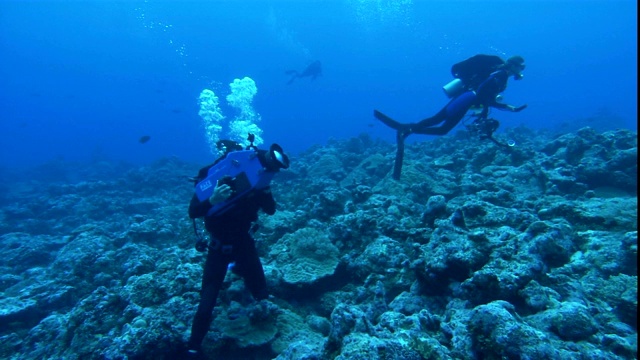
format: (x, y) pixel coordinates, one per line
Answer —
(313, 71)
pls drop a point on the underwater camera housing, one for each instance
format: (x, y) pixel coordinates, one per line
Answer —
(243, 171)
(274, 159)
(483, 128)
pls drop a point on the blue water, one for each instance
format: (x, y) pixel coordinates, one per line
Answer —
(83, 81)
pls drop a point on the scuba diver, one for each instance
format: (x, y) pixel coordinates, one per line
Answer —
(229, 193)
(313, 70)
(476, 93)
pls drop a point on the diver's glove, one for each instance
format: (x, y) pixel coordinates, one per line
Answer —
(517, 109)
(220, 194)
(201, 245)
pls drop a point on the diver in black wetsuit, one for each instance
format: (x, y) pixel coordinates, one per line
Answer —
(231, 245)
(312, 71)
(484, 96)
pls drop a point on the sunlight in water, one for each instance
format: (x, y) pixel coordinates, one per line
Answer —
(284, 36)
(371, 14)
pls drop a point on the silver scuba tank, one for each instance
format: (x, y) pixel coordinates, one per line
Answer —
(453, 88)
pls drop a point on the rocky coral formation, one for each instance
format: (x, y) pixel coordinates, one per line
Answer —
(304, 257)
(477, 252)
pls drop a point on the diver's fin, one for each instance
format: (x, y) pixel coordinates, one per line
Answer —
(294, 76)
(397, 167)
(387, 120)
(401, 134)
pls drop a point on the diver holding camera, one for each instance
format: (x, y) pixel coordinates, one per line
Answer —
(229, 194)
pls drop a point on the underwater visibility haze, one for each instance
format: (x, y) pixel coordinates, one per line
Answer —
(83, 79)
(520, 248)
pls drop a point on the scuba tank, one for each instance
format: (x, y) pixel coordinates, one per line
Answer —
(470, 73)
(454, 88)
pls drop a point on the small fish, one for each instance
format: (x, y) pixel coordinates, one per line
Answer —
(144, 139)
(176, 111)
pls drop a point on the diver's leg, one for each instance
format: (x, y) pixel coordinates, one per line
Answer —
(294, 75)
(252, 271)
(439, 117)
(447, 125)
(215, 270)
(450, 115)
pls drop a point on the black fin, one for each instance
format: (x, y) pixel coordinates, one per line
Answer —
(387, 120)
(400, 136)
(397, 167)
(291, 80)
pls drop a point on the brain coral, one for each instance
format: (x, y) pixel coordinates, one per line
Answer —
(305, 256)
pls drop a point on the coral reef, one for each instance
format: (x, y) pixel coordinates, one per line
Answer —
(477, 252)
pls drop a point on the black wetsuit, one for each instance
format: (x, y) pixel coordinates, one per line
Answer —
(230, 242)
(485, 96)
(456, 109)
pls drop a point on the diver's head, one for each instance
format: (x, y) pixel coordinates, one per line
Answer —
(275, 159)
(227, 146)
(515, 66)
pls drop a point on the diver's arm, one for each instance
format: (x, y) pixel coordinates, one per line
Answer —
(220, 194)
(198, 208)
(266, 201)
(518, 108)
(507, 107)
(501, 106)
(492, 87)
